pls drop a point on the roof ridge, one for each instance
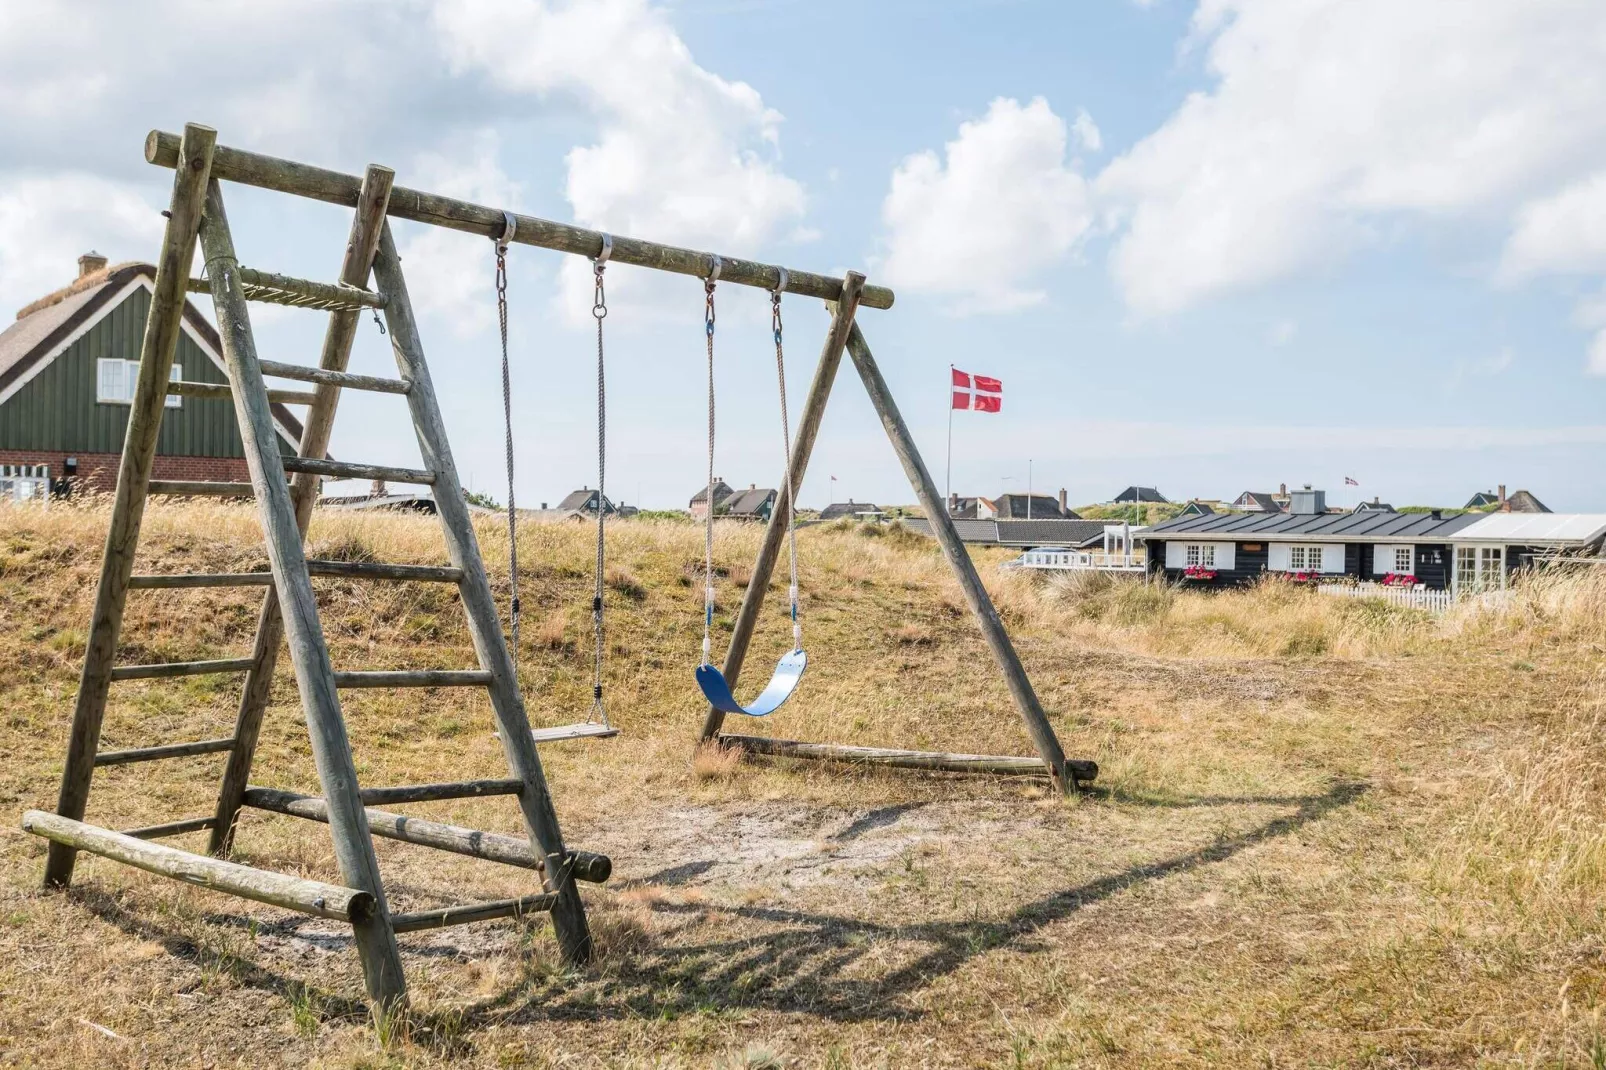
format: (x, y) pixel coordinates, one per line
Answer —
(78, 286)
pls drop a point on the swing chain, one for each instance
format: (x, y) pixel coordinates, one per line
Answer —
(509, 228)
(599, 312)
(708, 503)
(786, 447)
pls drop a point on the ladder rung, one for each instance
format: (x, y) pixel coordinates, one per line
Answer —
(378, 570)
(274, 289)
(346, 470)
(224, 391)
(414, 678)
(460, 789)
(198, 489)
(201, 579)
(172, 828)
(332, 378)
(166, 750)
(180, 668)
(469, 912)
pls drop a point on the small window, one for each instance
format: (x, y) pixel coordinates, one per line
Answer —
(116, 380)
(1402, 559)
(1201, 555)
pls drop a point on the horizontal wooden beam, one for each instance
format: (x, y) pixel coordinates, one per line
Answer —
(333, 187)
(293, 893)
(471, 912)
(222, 391)
(347, 470)
(459, 789)
(1005, 765)
(349, 380)
(276, 289)
(180, 668)
(414, 678)
(370, 570)
(191, 488)
(166, 750)
(171, 828)
(471, 842)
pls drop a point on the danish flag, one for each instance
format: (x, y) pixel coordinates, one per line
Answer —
(979, 393)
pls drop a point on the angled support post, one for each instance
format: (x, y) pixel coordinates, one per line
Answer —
(781, 517)
(162, 327)
(331, 749)
(992, 628)
(354, 270)
(485, 626)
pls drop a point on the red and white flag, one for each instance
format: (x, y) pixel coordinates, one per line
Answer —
(978, 393)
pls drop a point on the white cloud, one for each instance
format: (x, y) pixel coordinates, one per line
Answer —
(1327, 121)
(682, 155)
(981, 223)
(47, 223)
(1086, 131)
(1564, 233)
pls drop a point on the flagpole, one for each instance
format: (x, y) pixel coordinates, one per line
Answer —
(948, 475)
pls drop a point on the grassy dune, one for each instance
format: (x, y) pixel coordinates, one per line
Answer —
(1327, 832)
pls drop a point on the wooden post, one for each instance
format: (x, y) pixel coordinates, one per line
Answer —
(193, 167)
(942, 525)
(331, 749)
(485, 626)
(781, 517)
(337, 339)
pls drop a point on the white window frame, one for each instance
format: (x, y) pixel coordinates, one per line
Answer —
(1479, 568)
(128, 372)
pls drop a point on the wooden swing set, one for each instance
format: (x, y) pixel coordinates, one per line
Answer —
(289, 613)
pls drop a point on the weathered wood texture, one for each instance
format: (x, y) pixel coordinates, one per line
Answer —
(472, 912)
(273, 289)
(332, 377)
(286, 176)
(1008, 765)
(563, 732)
(331, 749)
(490, 846)
(192, 159)
(348, 470)
(355, 267)
(484, 623)
(193, 488)
(808, 429)
(221, 391)
(166, 750)
(457, 789)
(170, 669)
(413, 678)
(981, 605)
(355, 570)
(171, 828)
(293, 893)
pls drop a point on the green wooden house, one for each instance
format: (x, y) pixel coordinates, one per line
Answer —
(67, 371)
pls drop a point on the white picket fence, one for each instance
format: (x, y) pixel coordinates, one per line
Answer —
(1432, 601)
(25, 483)
(1077, 559)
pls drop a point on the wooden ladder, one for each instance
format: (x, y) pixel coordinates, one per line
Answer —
(290, 612)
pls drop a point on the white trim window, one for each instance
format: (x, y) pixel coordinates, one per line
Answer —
(1480, 568)
(1398, 558)
(1303, 558)
(1201, 555)
(1185, 555)
(116, 379)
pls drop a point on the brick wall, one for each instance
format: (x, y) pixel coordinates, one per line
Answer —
(98, 471)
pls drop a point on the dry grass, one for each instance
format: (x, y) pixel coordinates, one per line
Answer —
(1327, 832)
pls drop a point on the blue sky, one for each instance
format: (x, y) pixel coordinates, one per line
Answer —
(1207, 246)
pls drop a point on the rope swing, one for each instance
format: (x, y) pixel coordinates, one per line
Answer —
(789, 669)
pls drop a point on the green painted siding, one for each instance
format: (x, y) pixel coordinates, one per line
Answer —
(57, 409)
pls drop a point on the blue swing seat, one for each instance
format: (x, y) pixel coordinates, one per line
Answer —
(788, 671)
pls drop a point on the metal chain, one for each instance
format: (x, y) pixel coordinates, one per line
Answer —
(708, 522)
(599, 312)
(786, 447)
(507, 418)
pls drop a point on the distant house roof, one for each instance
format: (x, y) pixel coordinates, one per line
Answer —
(1014, 507)
(1481, 500)
(1322, 527)
(962, 508)
(1255, 501)
(1555, 529)
(585, 500)
(972, 531)
(1072, 533)
(722, 490)
(1141, 494)
(754, 501)
(1196, 508)
(45, 328)
(1524, 502)
(1374, 506)
(837, 510)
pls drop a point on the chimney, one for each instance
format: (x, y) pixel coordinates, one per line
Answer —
(376, 489)
(1063, 508)
(543, 507)
(1502, 493)
(90, 263)
(1307, 502)
(953, 504)
(1436, 515)
(1282, 490)
(752, 486)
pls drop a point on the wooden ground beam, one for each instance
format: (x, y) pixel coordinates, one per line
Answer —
(1001, 764)
(372, 197)
(472, 912)
(981, 605)
(484, 623)
(320, 700)
(293, 893)
(192, 158)
(302, 180)
(836, 338)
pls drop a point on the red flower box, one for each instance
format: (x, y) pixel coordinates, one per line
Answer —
(1198, 572)
(1304, 576)
(1399, 579)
